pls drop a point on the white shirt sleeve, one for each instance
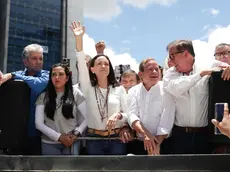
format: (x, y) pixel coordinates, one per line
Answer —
(40, 125)
(82, 108)
(84, 79)
(168, 115)
(178, 85)
(123, 104)
(132, 112)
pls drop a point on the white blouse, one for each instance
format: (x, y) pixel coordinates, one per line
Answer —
(116, 98)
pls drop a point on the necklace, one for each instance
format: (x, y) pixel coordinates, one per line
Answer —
(102, 102)
(59, 102)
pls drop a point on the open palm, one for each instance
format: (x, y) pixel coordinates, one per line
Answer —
(77, 29)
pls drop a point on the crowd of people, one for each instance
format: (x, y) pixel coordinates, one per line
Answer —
(152, 112)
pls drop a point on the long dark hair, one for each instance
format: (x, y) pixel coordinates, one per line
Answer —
(111, 77)
(67, 100)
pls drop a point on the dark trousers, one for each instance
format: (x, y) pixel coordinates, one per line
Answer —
(31, 146)
(105, 147)
(183, 142)
(166, 146)
(136, 147)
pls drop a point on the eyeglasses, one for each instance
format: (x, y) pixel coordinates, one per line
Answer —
(172, 56)
(220, 54)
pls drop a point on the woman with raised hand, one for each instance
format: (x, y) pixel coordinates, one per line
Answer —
(106, 100)
(60, 113)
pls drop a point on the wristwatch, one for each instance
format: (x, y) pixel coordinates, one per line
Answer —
(76, 133)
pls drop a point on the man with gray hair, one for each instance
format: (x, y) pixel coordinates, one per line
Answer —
(37, 80)
(222, 53)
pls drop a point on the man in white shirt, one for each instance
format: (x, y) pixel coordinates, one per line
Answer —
(188, 84)
(146, 108)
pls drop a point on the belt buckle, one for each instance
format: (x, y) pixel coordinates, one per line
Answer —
(187, 129)
(102, 133)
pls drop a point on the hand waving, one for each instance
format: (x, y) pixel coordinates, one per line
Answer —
(77, 29)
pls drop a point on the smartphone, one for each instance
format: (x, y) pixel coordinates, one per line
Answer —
(219, 112)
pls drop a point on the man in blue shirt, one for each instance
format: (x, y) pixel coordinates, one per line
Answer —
(37, 80)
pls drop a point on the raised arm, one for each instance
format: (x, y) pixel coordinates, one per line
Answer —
(83, 71)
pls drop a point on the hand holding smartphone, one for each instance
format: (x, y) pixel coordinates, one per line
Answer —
(219, 113)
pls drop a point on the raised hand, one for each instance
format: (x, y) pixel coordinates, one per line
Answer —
(78, 32)
(77, 29)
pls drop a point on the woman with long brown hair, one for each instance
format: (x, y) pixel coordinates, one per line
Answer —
(106, 100)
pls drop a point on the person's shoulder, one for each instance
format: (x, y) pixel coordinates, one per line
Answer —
(161, 87)
(76, 90)
(160, 83)
(217, 63)
(171, 72)
(43, 94)
(21, 72)
(119, 89)
(135, 89)
(76, 86)
(45, 72)
(40, 99)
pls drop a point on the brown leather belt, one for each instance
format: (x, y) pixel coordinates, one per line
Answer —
(104, 133)
(191, 129)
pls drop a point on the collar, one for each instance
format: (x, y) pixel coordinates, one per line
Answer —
(38, 74)
(152, 88)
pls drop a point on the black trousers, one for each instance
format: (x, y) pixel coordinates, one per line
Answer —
(136, 147)
(183, 142)
(31, 146)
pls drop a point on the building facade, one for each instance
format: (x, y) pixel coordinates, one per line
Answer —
(37, 21)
